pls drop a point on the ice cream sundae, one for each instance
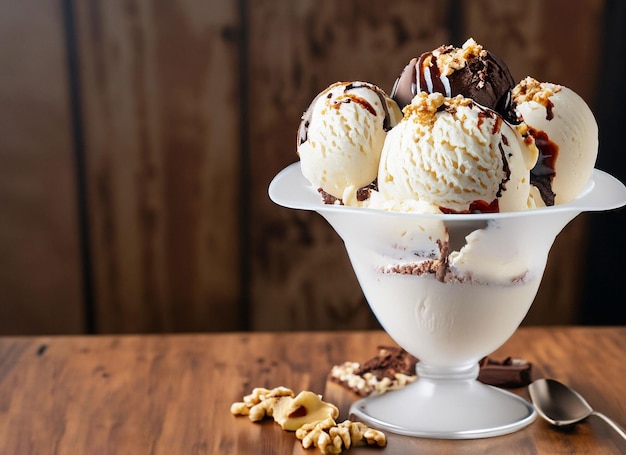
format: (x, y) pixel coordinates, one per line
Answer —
(448, 211)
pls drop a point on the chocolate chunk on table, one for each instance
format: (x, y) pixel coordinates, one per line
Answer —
(508, 373)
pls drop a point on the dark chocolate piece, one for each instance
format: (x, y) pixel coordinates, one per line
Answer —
(389, 362)
(508, 373)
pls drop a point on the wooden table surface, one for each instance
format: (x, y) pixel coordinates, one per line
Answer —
(171, 394)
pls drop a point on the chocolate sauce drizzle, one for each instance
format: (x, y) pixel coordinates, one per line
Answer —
(350, 97)
(429, 78)
(544, 171)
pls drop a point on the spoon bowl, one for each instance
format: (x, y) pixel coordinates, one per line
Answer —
(562, 406)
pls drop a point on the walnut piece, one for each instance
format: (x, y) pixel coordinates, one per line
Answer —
(306, 407)
(260, 403)
(333, 438)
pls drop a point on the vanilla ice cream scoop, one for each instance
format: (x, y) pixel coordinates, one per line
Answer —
(457, 155)
(341, 137)
(566, 134)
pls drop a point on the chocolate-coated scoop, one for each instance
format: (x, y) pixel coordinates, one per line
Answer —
(560, 405)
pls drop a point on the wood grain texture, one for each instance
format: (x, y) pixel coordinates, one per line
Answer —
(557, 41)
(300, 275)
(161, 113)
(40, 279)
(172, 394)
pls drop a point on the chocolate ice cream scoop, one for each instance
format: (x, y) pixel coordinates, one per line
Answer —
(470, 71)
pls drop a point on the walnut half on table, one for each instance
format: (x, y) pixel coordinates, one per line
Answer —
(333, 438)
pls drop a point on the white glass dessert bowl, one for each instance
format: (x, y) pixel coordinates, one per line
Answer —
(448, 313)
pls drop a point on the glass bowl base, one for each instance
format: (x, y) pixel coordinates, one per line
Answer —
(444, 409)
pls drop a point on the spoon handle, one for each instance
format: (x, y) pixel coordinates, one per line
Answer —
(611, 422)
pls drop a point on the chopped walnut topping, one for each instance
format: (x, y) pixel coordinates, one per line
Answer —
(530, 89)
(425, 106)
(455, 59)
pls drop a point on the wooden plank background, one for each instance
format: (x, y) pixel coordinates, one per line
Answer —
(40, 273)
(160, 95)
(186, 111)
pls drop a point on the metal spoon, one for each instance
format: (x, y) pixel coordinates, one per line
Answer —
(560, 405)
